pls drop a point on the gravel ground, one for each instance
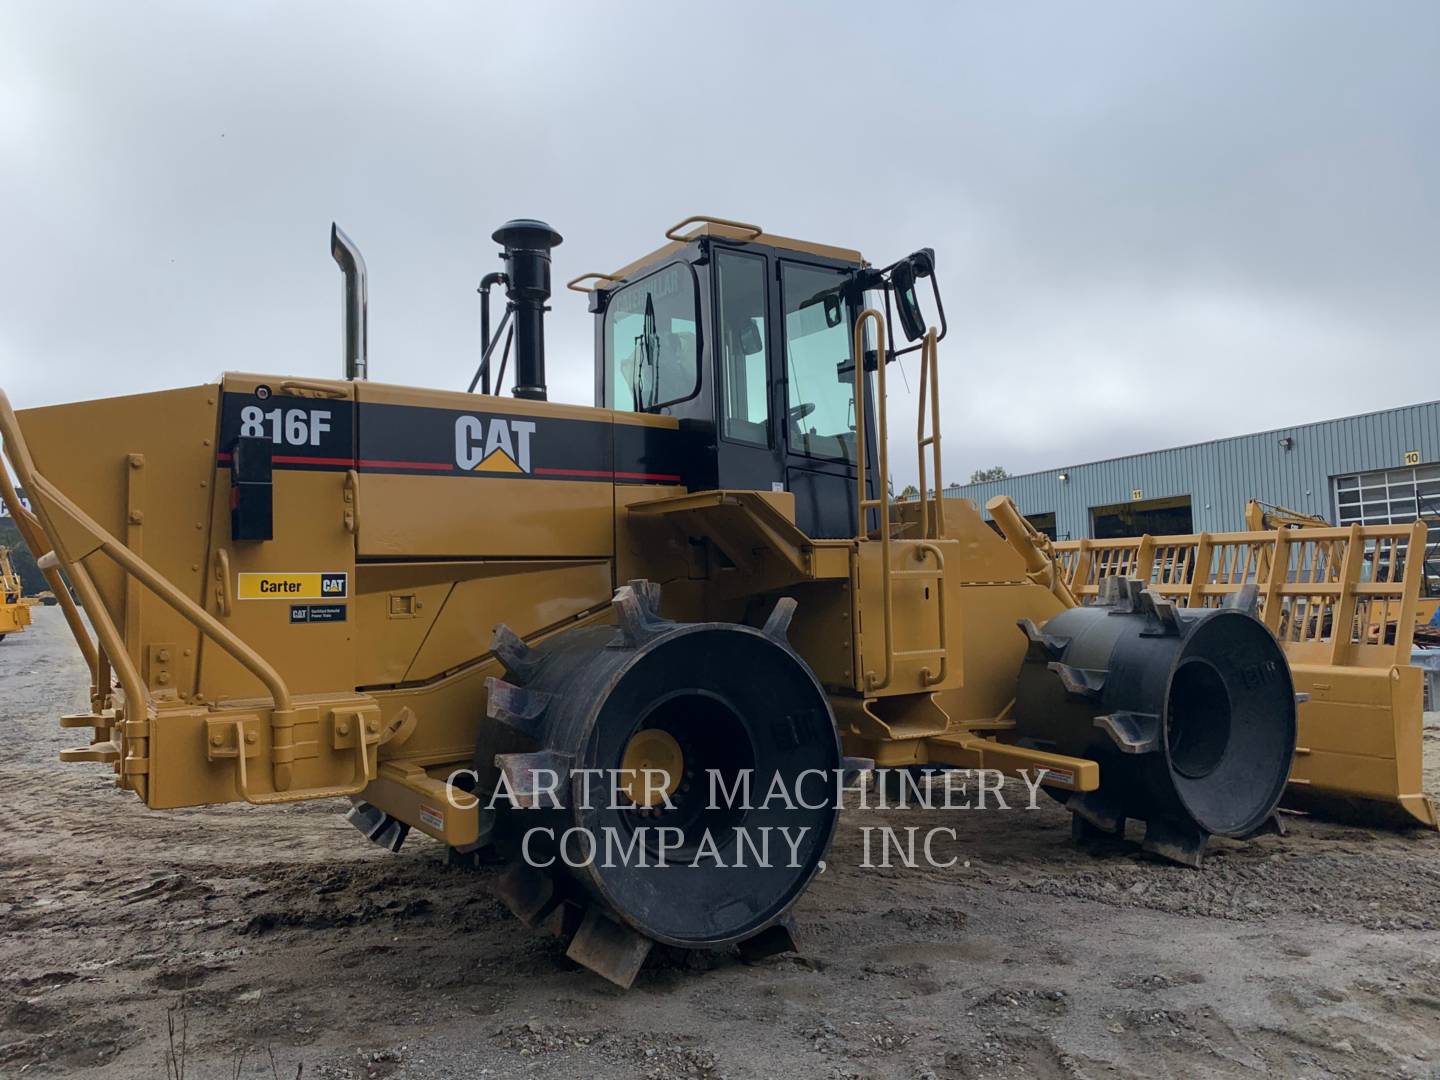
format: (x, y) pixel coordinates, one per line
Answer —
(280, 932)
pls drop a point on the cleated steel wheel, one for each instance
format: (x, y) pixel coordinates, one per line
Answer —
(675, 860)
(1190, 713)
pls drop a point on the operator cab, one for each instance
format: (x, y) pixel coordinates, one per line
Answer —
(747, 338)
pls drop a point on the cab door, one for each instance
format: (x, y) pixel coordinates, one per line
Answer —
(817, 413)
(751, 451)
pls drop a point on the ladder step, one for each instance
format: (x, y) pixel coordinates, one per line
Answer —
(916, 654)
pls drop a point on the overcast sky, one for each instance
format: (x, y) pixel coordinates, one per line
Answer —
(1154, 223)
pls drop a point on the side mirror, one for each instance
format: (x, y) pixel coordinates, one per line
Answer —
(912, 319)
(834, 311)
(750, 340)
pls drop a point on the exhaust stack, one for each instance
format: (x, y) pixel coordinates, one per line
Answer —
(527, 245)
(357, 303)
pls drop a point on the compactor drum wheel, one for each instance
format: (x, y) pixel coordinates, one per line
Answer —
(1190, 712)
(708, 848)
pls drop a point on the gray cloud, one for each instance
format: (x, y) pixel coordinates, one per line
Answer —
(1155, 223)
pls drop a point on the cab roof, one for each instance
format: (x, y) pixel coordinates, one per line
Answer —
(702, 225)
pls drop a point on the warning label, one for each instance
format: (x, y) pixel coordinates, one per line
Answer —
(1058, 777)
(432, 817)
(309, 586)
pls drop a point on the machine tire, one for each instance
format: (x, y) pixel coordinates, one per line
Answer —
(1190, 712)
(702, 700)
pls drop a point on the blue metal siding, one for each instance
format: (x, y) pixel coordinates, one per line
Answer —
(1220, 476)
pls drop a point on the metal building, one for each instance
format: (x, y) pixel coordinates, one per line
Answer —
(1376, 468)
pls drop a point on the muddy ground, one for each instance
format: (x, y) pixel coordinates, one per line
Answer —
(281, 932)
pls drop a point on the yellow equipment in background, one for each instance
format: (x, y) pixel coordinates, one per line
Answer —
(418, 599)
(14, 611)
(1343, 603)
(1263, 516)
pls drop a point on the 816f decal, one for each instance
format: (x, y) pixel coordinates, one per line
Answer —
(373, 437)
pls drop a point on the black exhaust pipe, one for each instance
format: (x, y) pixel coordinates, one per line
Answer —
(527, 245)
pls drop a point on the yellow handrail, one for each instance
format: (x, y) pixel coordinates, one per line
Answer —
(574, 283)
(930, 383)
(673, 233)
(882, 503)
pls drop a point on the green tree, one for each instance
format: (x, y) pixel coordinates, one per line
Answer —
(981, 476)
(910, 492)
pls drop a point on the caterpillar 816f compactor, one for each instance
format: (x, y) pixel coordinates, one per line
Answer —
(418, 598)
(14, 611)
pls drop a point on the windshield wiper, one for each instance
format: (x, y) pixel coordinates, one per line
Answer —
(647, 354)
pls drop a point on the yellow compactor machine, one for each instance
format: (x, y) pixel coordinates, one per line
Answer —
(14, 611)
(305, 588)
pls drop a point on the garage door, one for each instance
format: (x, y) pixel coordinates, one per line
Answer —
(1393, 497)
(1157, 517)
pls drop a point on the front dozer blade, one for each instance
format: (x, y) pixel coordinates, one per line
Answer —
(1359, 757)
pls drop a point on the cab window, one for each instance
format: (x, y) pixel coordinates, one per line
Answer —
(652, 353)
(819, 372)
(740, 337)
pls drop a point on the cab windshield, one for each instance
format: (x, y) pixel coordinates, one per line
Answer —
(651, 347)
(819, 370)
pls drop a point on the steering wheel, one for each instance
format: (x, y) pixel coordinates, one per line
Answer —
(799, 412)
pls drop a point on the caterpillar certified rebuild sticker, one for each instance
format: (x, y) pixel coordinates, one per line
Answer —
(316, 613)
(269, 585)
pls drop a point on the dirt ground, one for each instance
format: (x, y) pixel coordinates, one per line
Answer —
(281, 931)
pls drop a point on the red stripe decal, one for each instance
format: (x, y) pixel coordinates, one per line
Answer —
(435, 466)
(603, 474)
(283, 459)
(606, 474)
(294, 459)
